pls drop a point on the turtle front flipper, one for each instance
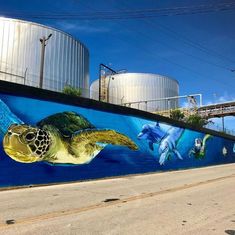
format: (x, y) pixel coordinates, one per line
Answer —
(91, 137)
(86, 144)
(94, 137)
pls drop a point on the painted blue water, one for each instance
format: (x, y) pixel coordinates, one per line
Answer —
(111, 161)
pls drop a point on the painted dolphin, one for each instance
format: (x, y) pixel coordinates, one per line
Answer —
(169, 143)
(152, 133)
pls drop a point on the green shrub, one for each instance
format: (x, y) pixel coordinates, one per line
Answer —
(177, 115)
(69, 90)
(196, 120)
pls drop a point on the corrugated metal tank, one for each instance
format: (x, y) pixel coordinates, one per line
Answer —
(126, 88)
(66, 59)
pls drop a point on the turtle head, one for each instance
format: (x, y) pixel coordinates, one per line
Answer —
(26, 144)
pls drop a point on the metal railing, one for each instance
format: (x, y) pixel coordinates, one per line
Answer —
(218, 110)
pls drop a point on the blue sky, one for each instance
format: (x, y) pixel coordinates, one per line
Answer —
(166, 45)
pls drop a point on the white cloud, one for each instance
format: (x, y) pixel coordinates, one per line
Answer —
(80, 26)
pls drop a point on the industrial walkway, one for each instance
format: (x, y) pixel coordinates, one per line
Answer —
(218, 110)
(198, 201)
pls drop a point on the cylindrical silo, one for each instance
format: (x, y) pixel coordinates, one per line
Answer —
(66, 59)
(147, 90)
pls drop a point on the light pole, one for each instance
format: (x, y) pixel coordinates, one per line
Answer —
(25, 74)
(43, 41)
(122, 100)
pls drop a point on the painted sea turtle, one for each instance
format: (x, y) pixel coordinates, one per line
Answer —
(62, 138)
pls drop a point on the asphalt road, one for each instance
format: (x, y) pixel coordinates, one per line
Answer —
(198, 201)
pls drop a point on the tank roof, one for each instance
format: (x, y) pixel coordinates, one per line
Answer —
(43, 26)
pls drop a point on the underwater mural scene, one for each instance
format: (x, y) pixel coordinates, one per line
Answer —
(47, 142)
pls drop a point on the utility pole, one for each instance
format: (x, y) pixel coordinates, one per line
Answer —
(43, 41)
(223, 127)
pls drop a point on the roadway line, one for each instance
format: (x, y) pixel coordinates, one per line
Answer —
(61, 213)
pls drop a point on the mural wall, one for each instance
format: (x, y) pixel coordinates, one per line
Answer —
(47, 142)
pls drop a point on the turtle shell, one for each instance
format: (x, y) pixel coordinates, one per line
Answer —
(67, 123)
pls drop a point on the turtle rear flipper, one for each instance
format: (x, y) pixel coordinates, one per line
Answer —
(90, 138)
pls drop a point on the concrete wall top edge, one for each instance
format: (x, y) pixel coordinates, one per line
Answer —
(36, 93)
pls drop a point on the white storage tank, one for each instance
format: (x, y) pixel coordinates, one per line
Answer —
(66, 58)
(128, 88)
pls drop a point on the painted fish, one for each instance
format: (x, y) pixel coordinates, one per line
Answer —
(224, 151)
